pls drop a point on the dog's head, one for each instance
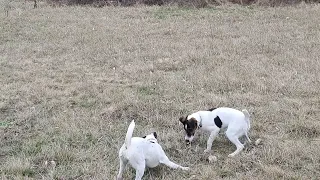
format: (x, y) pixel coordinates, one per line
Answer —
(151, 137)
(190, 126)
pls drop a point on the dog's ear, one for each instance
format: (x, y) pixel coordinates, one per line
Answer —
(144, 136)
(155, 135)
(183, 120)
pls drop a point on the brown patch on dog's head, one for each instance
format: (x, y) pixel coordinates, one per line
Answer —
(190, 126)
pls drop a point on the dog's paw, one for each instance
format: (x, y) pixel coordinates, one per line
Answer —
(207, 150)
(185, 168)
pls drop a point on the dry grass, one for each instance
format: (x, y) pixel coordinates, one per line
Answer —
(71, 79)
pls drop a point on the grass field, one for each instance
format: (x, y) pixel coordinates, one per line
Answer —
(72, 78)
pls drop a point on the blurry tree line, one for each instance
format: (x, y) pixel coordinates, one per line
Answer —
(187, 3)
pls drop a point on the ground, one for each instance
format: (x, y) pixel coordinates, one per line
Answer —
(72, 78)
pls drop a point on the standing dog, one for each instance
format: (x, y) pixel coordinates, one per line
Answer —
(142, 152)
(236, 122)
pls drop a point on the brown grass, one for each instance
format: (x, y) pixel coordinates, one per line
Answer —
(71, 79)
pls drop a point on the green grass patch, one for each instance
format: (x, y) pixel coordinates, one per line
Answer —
(5, 124)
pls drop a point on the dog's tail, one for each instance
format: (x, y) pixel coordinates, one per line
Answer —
(129, 134)
(247, 118)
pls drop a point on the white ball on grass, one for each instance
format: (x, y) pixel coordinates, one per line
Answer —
(258, 141)
(212, 159)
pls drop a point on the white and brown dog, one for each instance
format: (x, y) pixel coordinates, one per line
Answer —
(235, 122)
(142, 152)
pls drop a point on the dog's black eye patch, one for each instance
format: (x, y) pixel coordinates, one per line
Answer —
(144, 136)
(218, 122)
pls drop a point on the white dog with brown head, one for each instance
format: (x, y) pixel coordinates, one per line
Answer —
(235, 122)
(142, 152)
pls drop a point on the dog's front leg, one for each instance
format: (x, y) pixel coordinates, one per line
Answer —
(212, 136)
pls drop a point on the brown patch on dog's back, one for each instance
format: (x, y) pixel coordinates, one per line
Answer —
(211, 109)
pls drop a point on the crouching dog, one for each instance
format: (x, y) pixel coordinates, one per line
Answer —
(142, 152)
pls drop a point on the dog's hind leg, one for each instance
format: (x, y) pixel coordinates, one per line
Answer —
(123, 164)
(173, 165)
(235, 140)
(140, 170)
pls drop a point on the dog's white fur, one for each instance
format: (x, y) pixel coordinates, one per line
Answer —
(142, 152)
(235, 122)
